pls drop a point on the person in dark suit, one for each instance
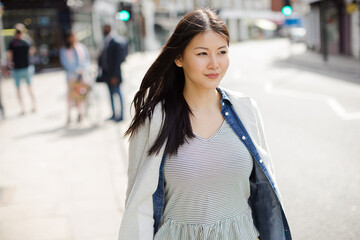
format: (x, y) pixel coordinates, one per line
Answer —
(110, 60)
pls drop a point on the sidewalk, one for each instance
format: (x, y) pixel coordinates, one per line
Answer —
(336, 63)
(58, 182)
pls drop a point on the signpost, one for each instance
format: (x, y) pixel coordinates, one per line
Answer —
(351, 8)
(2, 57)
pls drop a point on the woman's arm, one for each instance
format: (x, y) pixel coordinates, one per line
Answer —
(143, 175)
(260, 126)
(63, 60)
(137, 149)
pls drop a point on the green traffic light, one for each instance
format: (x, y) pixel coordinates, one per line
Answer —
(287, 10)
(124, 15)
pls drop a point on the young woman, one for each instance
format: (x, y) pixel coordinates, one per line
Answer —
(199, 167)
(75, 59)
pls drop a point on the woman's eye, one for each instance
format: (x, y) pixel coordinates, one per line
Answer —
(202, 53)
(223, 52)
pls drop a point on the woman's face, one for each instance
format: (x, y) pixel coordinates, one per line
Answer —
(205, 61)
(71, 39)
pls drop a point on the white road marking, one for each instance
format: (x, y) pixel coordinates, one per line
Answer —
(332, 102)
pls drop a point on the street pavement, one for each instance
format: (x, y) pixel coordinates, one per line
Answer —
(68, 182)
(311, 113)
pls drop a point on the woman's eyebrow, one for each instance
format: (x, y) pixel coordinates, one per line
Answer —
(208, 48)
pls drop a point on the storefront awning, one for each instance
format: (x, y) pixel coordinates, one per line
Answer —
(265, 24)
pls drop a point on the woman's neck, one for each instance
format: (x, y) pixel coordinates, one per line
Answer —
(202, 99)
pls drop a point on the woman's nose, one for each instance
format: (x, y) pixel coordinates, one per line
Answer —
(214, 63)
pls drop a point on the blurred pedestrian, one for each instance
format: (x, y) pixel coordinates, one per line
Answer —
(18, 57)
(2, 113)
(112, 56)
(74, 57)
(199, 167)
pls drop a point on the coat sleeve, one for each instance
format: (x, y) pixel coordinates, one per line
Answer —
(260, 126)
(137, 222)
(143, 174)
(63, 60)
(137, 150)
(123, 51)
(114, 54)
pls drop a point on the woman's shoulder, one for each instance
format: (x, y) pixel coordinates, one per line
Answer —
(235, 94)
(237, 97)
(152, 123)
(158, 113)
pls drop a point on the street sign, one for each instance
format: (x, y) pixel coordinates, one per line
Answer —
(351, 8)
(1, 9)
(293, 22)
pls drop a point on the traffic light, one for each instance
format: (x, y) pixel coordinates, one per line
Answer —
(287, 9)
(125, 11)
(123, 15)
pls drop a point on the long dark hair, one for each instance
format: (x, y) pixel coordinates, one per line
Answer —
(67, 35)
(164, 83)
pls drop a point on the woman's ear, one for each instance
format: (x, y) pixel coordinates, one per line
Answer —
(178, 61)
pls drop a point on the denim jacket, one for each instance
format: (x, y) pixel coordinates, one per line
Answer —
(140, 222)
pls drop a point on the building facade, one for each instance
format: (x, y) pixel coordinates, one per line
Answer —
(46, 22)
(341, 23)
(241, 16)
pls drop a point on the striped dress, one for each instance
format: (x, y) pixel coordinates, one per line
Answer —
(207, 189)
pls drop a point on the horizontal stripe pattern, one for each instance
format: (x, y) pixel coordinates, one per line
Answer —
(237, 228)
(207, 188)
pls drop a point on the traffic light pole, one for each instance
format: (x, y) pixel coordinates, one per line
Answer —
(2, 58)
(2, 42)
(324, 36)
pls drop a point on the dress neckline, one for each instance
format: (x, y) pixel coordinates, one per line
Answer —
(213, 136)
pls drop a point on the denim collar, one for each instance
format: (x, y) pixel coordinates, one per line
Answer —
(224, 96)
(265, 206)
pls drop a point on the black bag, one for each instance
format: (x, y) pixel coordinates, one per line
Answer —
(100, 79)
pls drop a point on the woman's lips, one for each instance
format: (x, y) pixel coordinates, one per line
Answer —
(212, 75)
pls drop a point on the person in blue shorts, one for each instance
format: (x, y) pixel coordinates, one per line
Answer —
(18, 56)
